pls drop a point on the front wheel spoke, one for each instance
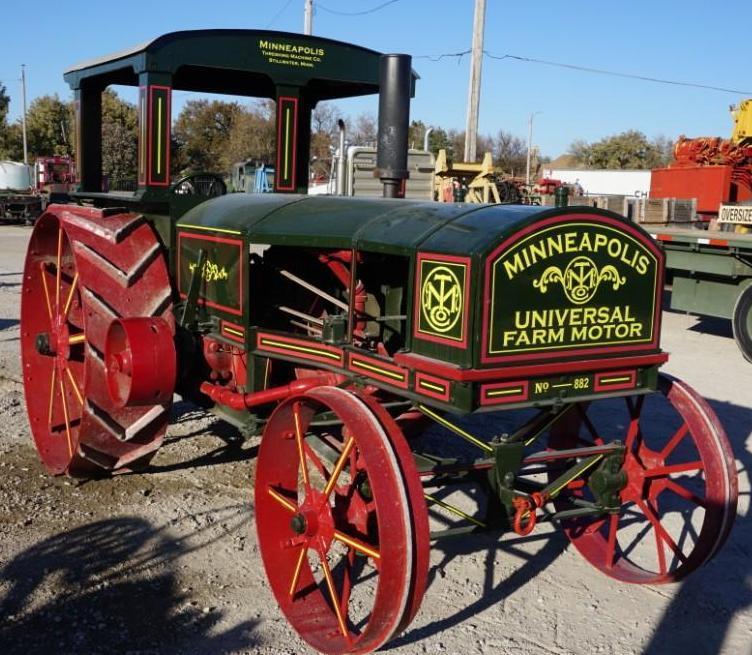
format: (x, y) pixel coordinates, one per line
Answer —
(339, 466)
(298, 569)
(682, 432)
(685, 493)
(314, 459)
(76, 339)
(347, 580)
(686, 467)
(284, 502)
(357, 544)
(336, 603)
(301, 450)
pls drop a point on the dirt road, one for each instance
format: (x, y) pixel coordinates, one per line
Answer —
(167, 561)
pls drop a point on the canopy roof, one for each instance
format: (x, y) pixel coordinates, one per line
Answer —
(240, 62)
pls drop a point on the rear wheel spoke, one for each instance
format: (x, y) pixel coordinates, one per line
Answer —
(682, 432)
(691, 460)
(685, 493)
(687, 467)
(613, 526)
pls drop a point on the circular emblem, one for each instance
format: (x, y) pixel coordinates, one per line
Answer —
(581, 280)
(441, 298)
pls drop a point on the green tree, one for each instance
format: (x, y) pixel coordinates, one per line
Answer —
(510, 153)
(119, 140)
(4, 104)
(202, 132)
(48, 127)
(11, 146)
(438, 140)
(252, 135)
(627, 150)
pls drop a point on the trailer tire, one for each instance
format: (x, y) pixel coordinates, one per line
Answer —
(742, 322)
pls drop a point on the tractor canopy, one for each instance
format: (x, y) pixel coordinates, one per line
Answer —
(295, 70)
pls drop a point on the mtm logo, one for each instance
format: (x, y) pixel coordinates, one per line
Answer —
(580, 279)
(442, 299)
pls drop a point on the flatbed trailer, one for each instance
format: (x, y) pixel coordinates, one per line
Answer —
(712, 275)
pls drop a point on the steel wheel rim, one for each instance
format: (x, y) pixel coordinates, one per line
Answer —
(619, 544)
(295, 517)
(55, 381)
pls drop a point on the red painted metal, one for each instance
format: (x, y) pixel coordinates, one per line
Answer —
(419, 362)
(240, 401)
(711, 185)
(140, 360)
(685, 474)
(417, 503)
(360, 539)
(81, 272)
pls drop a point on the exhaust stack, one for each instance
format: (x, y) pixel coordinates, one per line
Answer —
(395, 78)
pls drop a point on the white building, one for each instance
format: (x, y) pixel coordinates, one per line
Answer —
(604, 182)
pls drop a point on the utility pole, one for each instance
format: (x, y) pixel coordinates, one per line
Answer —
(529, 144)
(23, 116)
(308, 22)
(473, 99)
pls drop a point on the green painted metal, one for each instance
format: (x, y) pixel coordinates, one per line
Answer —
(241, 62)
(705, 295)
(531, 299)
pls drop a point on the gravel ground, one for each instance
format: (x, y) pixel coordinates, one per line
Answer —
(167, 561)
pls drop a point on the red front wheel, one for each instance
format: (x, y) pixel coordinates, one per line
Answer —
(343, 538)
(679, 501)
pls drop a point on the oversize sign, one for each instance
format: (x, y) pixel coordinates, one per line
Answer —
(737, 214)
(570, 286)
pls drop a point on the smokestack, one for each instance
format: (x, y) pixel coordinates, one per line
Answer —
(395, 77)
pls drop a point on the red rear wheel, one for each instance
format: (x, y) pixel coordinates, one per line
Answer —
(680, 498)
(83, 269)
(336, 523)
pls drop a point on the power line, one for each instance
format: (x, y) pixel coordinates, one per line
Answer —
(600, 71)
(355, 13)
(278, 14)
(584, 69)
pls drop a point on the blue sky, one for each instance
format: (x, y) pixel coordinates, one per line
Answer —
(692, 41)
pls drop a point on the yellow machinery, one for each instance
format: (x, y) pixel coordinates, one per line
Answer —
(742, 114)
(480, 183)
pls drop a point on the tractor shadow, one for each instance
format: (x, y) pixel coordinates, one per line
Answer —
(702, 608)
(7, 323)
(107, 587)
(710, 599)
(532, 553)
(234, 448)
